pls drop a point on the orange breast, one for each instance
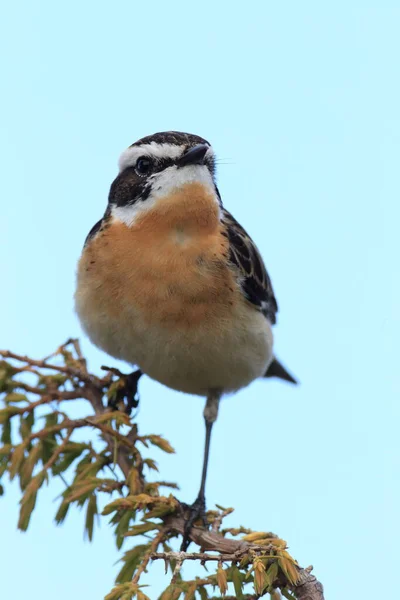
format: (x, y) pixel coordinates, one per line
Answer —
(171, 264)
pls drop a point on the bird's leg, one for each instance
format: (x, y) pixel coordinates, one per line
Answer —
(127, 393)
(131, 388)
(198, 508)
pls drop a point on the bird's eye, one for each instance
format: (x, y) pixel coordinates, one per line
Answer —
(143, 165)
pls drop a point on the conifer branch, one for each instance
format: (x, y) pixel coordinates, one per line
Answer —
(259, 558)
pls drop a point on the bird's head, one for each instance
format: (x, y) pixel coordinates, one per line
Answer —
(157, 166)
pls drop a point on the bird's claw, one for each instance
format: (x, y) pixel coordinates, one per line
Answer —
(195, 511)
(127, 393)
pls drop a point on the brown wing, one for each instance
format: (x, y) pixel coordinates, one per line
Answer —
(255, 282)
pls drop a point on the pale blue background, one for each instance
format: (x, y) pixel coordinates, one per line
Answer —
(302, 99)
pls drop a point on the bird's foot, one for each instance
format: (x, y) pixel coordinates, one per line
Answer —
(125, 395)
(192, 513)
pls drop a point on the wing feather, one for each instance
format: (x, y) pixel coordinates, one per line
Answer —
(254, 279)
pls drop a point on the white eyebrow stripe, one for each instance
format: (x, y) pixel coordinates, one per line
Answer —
(129, 156)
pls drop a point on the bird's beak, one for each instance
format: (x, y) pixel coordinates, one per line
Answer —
(194, 156)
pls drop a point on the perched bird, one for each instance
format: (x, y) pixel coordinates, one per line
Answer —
(169, 281)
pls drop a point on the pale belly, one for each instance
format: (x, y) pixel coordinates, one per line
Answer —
(213, 356)
(184, 322)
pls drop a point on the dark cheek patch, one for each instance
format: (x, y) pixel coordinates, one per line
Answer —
(128, 188)
(145, 193)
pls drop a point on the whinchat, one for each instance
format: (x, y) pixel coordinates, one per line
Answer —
(169, 281)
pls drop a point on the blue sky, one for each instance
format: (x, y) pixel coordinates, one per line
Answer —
(302, 101)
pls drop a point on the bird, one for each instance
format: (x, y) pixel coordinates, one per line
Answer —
(169, 281)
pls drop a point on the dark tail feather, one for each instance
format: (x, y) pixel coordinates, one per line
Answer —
(275, 369)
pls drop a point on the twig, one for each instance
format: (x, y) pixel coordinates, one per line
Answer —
(201, 556)
(58, 451)
(244, 597)
(66, 424)
(307, 588)
(229, 550)
(113, 432)
(42, 364)
(46, 396)
(77, 424)
(219, 518)
(153, 547)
